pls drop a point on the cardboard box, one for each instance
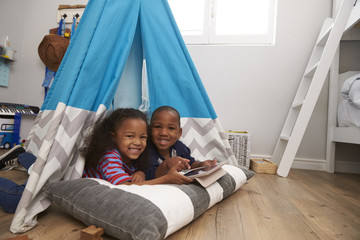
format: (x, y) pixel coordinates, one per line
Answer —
(263, 166)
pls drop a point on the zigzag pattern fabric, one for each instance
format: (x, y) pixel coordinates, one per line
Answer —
(206, 140)
(86, 83)
(56, 139)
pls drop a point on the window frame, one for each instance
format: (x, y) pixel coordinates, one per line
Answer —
(209, 37)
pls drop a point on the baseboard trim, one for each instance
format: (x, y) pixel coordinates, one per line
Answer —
(309, 164)
(347, 167)
(320, 165)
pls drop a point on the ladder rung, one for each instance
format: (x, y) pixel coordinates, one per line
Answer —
(325, 35)
(354, 17)
(284, 138)
(311, 71)
(297, 104)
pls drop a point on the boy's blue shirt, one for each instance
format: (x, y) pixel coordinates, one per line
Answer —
(155, 158)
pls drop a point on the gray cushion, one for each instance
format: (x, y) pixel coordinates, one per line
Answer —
(141, 212)
(249, 173)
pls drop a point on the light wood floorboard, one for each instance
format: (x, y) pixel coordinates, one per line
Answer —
(305, 205)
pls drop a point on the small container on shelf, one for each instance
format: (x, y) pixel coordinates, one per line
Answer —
(9, 54)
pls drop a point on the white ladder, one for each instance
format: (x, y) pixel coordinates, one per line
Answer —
(310, 88)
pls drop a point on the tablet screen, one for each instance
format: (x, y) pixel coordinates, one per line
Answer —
(201, 171)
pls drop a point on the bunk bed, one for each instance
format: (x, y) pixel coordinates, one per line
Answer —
(347, 131)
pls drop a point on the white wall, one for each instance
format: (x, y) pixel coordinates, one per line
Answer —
(26, 23)
(251, 87)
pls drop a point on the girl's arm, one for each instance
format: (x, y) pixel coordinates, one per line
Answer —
(138, 176)
(111, 167)
(172, 177)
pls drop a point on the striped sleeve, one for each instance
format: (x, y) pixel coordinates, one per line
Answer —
(112, 168)
(92, 173)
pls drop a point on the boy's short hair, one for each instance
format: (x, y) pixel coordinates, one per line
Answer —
(165, 108)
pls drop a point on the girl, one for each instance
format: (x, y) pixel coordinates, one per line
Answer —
(115, 151)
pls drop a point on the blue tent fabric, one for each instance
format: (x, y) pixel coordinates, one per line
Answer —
(93, 69)
(170, 67)
(103, 65)
(129, 91)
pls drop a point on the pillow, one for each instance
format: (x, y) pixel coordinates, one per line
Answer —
(350, 90)
(141, 212)
(249, 173)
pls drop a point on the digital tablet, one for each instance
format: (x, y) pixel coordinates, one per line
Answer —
(202, 171)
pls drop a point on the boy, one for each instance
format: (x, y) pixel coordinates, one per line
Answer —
(11, 192)
(166, 150)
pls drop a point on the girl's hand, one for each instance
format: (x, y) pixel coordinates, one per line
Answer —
(138, 176)
(179, 162)
(176, 178)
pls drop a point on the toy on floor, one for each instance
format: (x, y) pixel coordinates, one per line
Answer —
(92, 233)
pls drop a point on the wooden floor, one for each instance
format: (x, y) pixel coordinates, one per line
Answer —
(305, 205)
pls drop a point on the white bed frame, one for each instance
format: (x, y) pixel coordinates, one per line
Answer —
(334, 133)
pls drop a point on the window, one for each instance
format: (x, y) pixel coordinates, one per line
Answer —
(225, 21)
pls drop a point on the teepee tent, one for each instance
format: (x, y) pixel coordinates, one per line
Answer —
(102, 69)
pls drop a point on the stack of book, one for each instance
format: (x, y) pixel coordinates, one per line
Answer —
(240, 145)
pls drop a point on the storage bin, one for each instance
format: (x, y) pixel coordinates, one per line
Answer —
(263, 166)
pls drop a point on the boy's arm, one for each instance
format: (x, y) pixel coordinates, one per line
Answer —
(161, 170)
(178, 162)
(185, 152)
(197, 164)
(153, 165)
(156, 170)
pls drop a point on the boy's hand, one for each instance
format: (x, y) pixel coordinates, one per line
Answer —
(208, 163)
(179, 162)
(138, 176)
(176, 178)
(205, 163)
